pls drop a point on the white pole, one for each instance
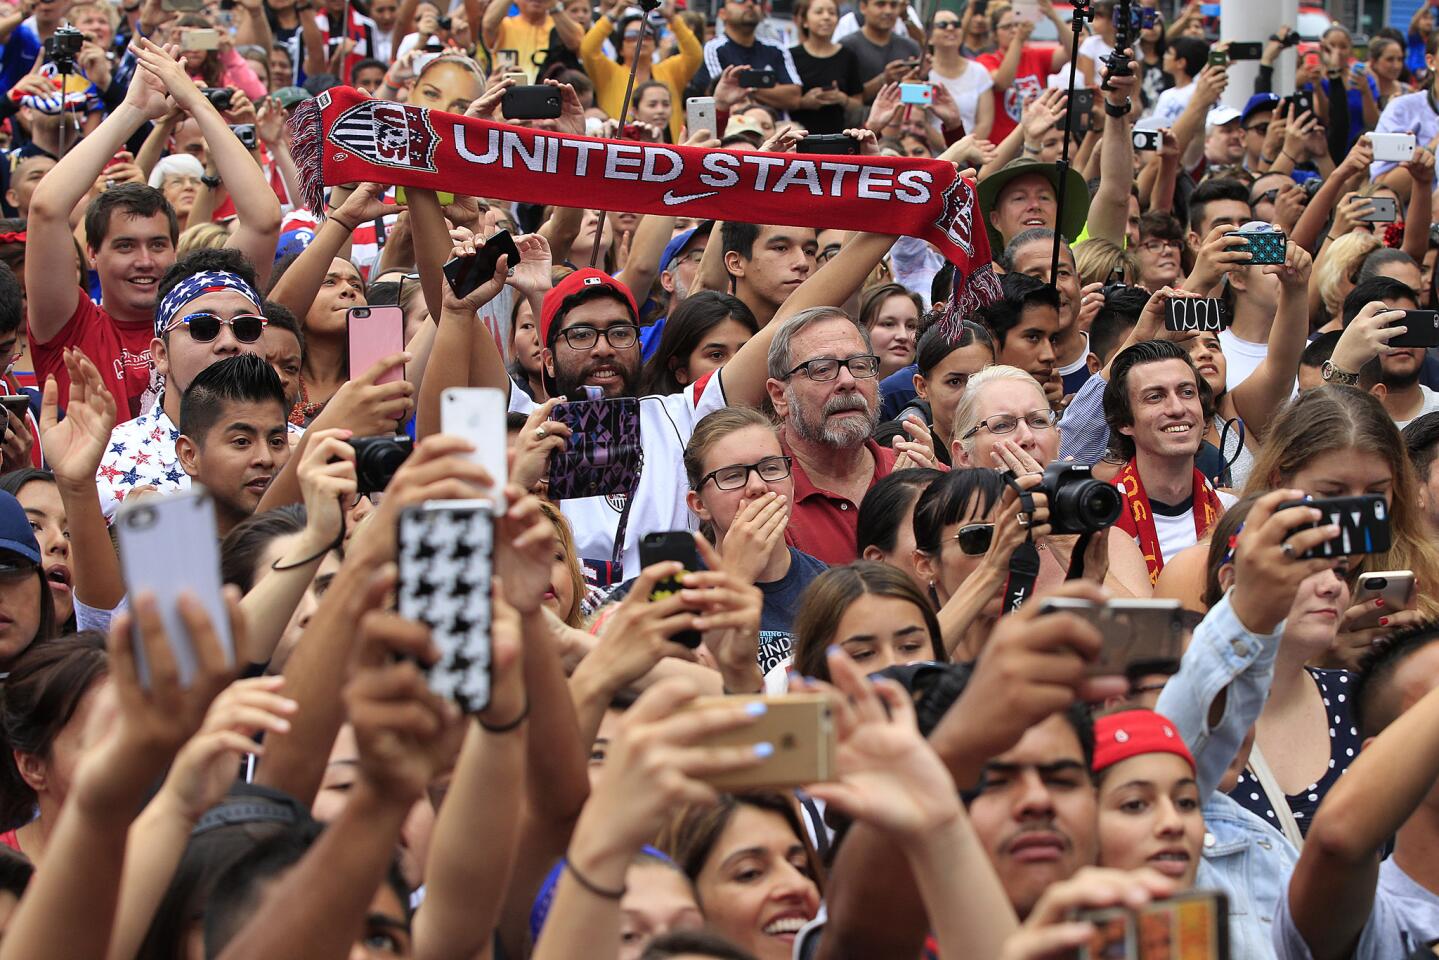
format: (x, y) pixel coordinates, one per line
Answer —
(1248, 21)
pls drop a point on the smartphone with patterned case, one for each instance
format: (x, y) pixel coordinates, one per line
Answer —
(603, 457)
(445, 568)
(1267, 246)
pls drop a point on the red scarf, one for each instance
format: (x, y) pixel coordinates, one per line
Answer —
(342, 136)
(1137, 520)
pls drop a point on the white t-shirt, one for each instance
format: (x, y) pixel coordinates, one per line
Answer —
(1177, 532)
(659, 503)
(1096, 50)
(1241, 358)
(849, 23)
(1171, 104)
(1431, 403)
(966, 90)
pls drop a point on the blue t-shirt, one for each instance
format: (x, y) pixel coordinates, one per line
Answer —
(781, 603)
(21, 51)
(896, 391)
(1356, 107)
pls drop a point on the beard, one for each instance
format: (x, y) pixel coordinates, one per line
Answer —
(1400, 381)
(570, 381)
(849, 432)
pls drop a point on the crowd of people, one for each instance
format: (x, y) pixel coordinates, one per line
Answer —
(937, 532)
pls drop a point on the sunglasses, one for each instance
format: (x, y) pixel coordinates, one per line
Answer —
(205, 327)
(974, 538)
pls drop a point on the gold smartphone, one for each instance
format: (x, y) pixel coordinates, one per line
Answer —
(200, 39)
(800, 727)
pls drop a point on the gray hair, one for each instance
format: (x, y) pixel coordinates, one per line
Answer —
(780, 360)
(175, 165)
(966, 411)
(1025, 238)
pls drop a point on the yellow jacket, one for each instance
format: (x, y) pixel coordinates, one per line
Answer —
(609, 77)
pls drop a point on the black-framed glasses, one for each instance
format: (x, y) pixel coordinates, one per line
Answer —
(822, 369)
(1159, 246)
(824, 255)
(973, 539)
(204, 327)
(621, 336)
(1268, 196)
(1002, 423)
(736, 475)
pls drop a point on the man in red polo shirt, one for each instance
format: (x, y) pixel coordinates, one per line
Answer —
(822, 384)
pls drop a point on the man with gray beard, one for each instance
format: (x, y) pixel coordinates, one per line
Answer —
(823, 388)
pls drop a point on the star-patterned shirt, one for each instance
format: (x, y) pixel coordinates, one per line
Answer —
(142, 454)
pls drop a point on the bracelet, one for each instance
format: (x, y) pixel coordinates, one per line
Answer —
(1029, 149)
(342, 223)
(1118, 111)
(1285, 154)
(592, 887)
(507, 727)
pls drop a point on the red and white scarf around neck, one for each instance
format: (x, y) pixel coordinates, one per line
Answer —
(1137, 518)
(342, 136)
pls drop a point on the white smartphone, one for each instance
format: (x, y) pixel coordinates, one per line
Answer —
(1398, 147)
(478, 414)
(1395, 586)
(1026, 10)
(168, 546)
(700, 115)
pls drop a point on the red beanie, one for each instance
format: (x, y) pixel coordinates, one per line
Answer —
(1130, 733)
(573, 284)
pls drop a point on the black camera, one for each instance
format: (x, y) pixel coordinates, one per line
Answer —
(63, 47)
(377, 459)
(444, 23)
(1078, 503)
(220, 97)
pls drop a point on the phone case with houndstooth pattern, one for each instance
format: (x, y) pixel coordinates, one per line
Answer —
(444, 581)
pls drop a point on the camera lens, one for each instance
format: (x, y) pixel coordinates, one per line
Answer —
(1085, 505)
(1377, 583)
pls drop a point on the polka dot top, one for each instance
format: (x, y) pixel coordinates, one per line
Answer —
(1344, 742)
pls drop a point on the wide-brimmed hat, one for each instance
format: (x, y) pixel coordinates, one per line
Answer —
(1076, 197)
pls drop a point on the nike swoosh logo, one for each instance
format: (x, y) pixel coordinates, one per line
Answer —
(672, 200)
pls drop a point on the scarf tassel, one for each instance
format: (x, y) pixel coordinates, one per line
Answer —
(307, 148)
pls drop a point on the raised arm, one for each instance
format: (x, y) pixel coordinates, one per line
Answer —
(1260, 396)
(1309, 231)
(1109, 211)
(495, 11)
(1009, 66)
(747, 372)
(1189, 128)
(1420, 212)
(301, 283)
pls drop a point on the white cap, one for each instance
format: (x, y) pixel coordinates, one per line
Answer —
(1219, 116)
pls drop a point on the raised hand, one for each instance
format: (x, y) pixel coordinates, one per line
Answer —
(74, 447)
(538, 440)
(366, 407)
(729, 608)
(758, 527)
(532, 275)
(526, 543)
(162, 65)
(884, 109)
(365, 203)
(486, 291)
(438, 469)
(1268, 570)
(327, 483)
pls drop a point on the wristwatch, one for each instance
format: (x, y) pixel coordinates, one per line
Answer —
(210, 181)
(1329, 373)
(1118, 111)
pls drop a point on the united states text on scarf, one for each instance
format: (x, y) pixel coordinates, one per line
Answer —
(343, 137)
(1137, 517)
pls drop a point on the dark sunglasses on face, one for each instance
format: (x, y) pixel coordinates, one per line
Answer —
(205, 327)
(974, 538)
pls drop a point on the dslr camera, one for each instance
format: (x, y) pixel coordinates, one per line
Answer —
(377, 459)
(1078, 503)
(63, 47)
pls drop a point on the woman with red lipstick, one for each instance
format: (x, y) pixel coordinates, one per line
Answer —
(1149, 803)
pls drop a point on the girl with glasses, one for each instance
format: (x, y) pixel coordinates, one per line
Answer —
(742, 492)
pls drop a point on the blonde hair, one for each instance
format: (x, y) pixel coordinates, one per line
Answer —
(966, 411)
(1340, 265)
(1097, 260)
(1340, 419)
(202, 236)
(574, 616)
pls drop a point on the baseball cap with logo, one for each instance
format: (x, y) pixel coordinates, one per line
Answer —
(575, 283)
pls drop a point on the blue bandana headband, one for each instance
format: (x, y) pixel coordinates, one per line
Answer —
(197, 286)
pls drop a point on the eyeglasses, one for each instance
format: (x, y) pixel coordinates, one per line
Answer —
(736, 475)
(829, 251)
(692, 256)
(946, 24)
(1003, 423)
(827, 368)
(1159, 246)
(1268, 196)
(1262, 127)
(204, 327)
(621, 336)
(973, 539)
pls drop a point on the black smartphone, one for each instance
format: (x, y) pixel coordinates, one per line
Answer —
(465, 274)
(980, 6)
(1298, 103)
(756, 79)
(531, 102)
(1363, 524)
(220, 97)
(1245, 51)
(1422, 329)
(1194, 314)
(246, 133)
(16, 403)
(672, 545)
(1081, 106)
(833, 144)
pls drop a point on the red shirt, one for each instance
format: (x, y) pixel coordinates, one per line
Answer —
(824, 524)
(121, 351)
(1029, 79)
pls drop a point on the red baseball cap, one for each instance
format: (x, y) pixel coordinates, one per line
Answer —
(1132, 733)
(573, 284)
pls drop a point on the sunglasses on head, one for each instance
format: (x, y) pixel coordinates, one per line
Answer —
(205, 327)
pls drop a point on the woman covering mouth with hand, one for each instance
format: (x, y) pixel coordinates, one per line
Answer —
(1149, 803)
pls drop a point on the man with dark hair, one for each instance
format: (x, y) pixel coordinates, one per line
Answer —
(1184, 57)
(1214, 202)
(1421, 441)
(130, 234)
(1025, 326)
(1372, 312)
(1032, 254)
(885, 54)
(1312, 360)
(737, 45)
(208, 310)
(1345, 900)
(233, 434)
(766, 263)
(1416, 113)
(1155, 407)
